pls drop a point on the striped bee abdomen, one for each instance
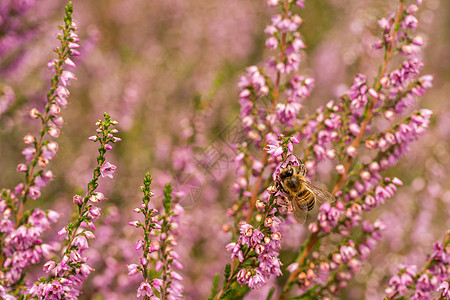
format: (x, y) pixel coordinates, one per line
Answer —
(312, 202)
(305, 197)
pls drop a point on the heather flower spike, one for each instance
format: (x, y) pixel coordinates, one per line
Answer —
(69, 273)
(41, 151)
(21, 229)
(160, 230)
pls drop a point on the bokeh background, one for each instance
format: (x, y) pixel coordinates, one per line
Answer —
(168, 72)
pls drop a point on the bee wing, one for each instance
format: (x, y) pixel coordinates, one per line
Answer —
(321, 195)
(300, 210)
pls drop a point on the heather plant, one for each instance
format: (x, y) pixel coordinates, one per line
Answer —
(271, 102)
(162, 229)
(22, 228)
(222, 198)
(21, 246)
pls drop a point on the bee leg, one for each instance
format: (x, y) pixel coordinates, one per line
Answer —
(283, 189)
(302, 169)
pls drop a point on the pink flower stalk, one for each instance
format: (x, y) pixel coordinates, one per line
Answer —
(163, 229)
(22, 246)
(69, 273)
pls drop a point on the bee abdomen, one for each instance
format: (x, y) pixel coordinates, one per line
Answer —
(307, 198)
(311, 202)
(303, 194)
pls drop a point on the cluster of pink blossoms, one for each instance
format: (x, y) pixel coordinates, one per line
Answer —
(261, 247)
(433, 280)
(68, 274)
(22, 229)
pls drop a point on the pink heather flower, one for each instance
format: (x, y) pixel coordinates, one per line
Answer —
(312, 227)
(176, 276)
(94, 213)
(28, 139)
(444, 288)
(139, 244)
(97, 197)
(60, 101)
(134, 223)
(49, 266)
(85, 269)
(53, 216)
(145, 289)
(29, 153)
(52, 147)
(272, 43)
(34, 192)
(157, 283)
(22, 168)
(274, 148)
(62, 233)
(133, 269)
(410, 21)
(55, 109)
(300, 3)
(293, 267)
(340, 169)
(80, 242)
(107, 170)
(144, 261)
(272, 3)
(70, 63)
(89, 234)
(73, 45)
(74, 52)
(397, 181)
(77, 199)
(53, 132)
(158, 266)
(256, 280)
(66, 77)
(62, 92)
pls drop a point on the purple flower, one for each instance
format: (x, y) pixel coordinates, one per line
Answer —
(444, 289)
(256, 280)
(145, 289)
(274, 149)
(107, 170)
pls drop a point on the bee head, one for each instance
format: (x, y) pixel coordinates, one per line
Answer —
(286, 172)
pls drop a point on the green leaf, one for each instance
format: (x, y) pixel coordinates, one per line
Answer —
(226, 273)
(167, 197)
(229, 293)
(214, 287)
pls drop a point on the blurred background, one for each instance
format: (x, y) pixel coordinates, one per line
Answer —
(168, 72)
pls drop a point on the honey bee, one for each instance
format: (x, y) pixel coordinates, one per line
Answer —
(300, 192)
